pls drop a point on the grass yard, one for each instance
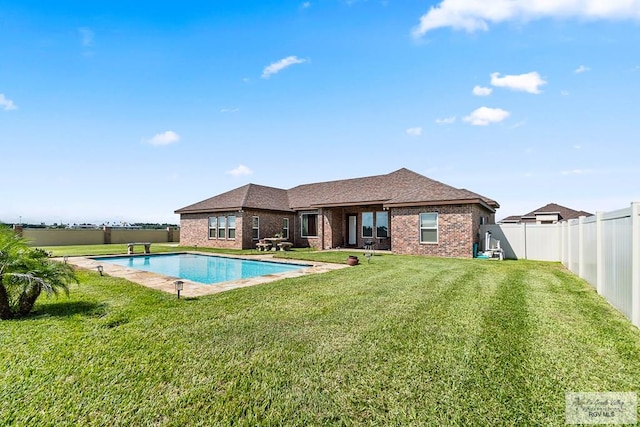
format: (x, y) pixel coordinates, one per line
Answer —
(400, 341)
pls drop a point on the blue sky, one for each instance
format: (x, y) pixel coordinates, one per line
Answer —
(126, 111)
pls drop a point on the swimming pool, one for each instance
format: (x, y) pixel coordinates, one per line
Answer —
(206, 269)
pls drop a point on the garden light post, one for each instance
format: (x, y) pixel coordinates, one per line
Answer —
(179, 284)
(100, 269)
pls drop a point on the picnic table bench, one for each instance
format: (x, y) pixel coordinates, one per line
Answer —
(285, 246)
(147, 247)
(263, 246)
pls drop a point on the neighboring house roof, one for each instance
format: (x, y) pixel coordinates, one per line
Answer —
(400, 188)
(564, 213)
(512, 218)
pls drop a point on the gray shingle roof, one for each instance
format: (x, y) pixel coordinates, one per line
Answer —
(565, 213)
(400, 188)
(550, 208)
(247, 196)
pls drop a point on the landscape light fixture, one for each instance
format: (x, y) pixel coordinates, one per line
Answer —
(179, 284)
(100, 269)
(66, 258)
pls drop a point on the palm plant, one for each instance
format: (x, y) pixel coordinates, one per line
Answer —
(25, 273)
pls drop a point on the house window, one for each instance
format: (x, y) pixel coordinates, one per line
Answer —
(213, 226)
(367, 224)
(285, 228)
(429, 227)
(231, 227)
(255, 227)
(222, 227)
(382, 224)
(310, 225)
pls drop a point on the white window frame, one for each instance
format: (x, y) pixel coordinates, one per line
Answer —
(222, 227)
(255, 226)
(376, 224)
(214, 228)
(302, 215)
(229, 228)
(285, 228)
(372, 225)
(436, 228)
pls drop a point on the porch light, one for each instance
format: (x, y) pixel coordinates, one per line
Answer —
(100, 269)
(179, 284)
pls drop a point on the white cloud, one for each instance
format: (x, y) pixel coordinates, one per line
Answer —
(417, 131)
(474, 15)
(564, 92)
(582, 69)
(276, 67)
(229, 110)
(306, 5)
(7, 104)
(482, 91)
(484, 116)
(529, 82)
(241, 170)
(86, 35)
(446, 121)
(164, 138)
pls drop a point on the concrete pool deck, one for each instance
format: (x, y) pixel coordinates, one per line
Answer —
(194, 289)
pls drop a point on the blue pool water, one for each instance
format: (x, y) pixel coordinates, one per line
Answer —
(201, 268)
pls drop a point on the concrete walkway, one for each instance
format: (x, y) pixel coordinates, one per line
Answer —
(194, 289)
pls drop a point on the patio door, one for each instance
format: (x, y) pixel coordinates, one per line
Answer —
(352, 230)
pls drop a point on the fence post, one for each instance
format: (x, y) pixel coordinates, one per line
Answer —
(635, 263)
(581, 246)
(569, 245)
(107, 235)
(18, 229)
(599, 253)
(562, 244)
(524, 239)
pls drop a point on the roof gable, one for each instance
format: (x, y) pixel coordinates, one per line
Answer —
(247, 196)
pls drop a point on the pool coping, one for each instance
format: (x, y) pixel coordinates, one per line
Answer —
(194, 289)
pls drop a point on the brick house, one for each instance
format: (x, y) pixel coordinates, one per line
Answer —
(402, 211)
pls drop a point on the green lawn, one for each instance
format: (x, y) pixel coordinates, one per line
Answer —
(400, 341)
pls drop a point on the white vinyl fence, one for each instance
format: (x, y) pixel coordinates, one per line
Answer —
(603, 249)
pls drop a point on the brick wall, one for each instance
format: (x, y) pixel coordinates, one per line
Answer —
(270, 224)
(309, 242)
(195, 228)
(456, 231)
(458, 228)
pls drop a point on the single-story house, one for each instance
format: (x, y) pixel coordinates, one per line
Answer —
(550, 213)
(402, 211)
